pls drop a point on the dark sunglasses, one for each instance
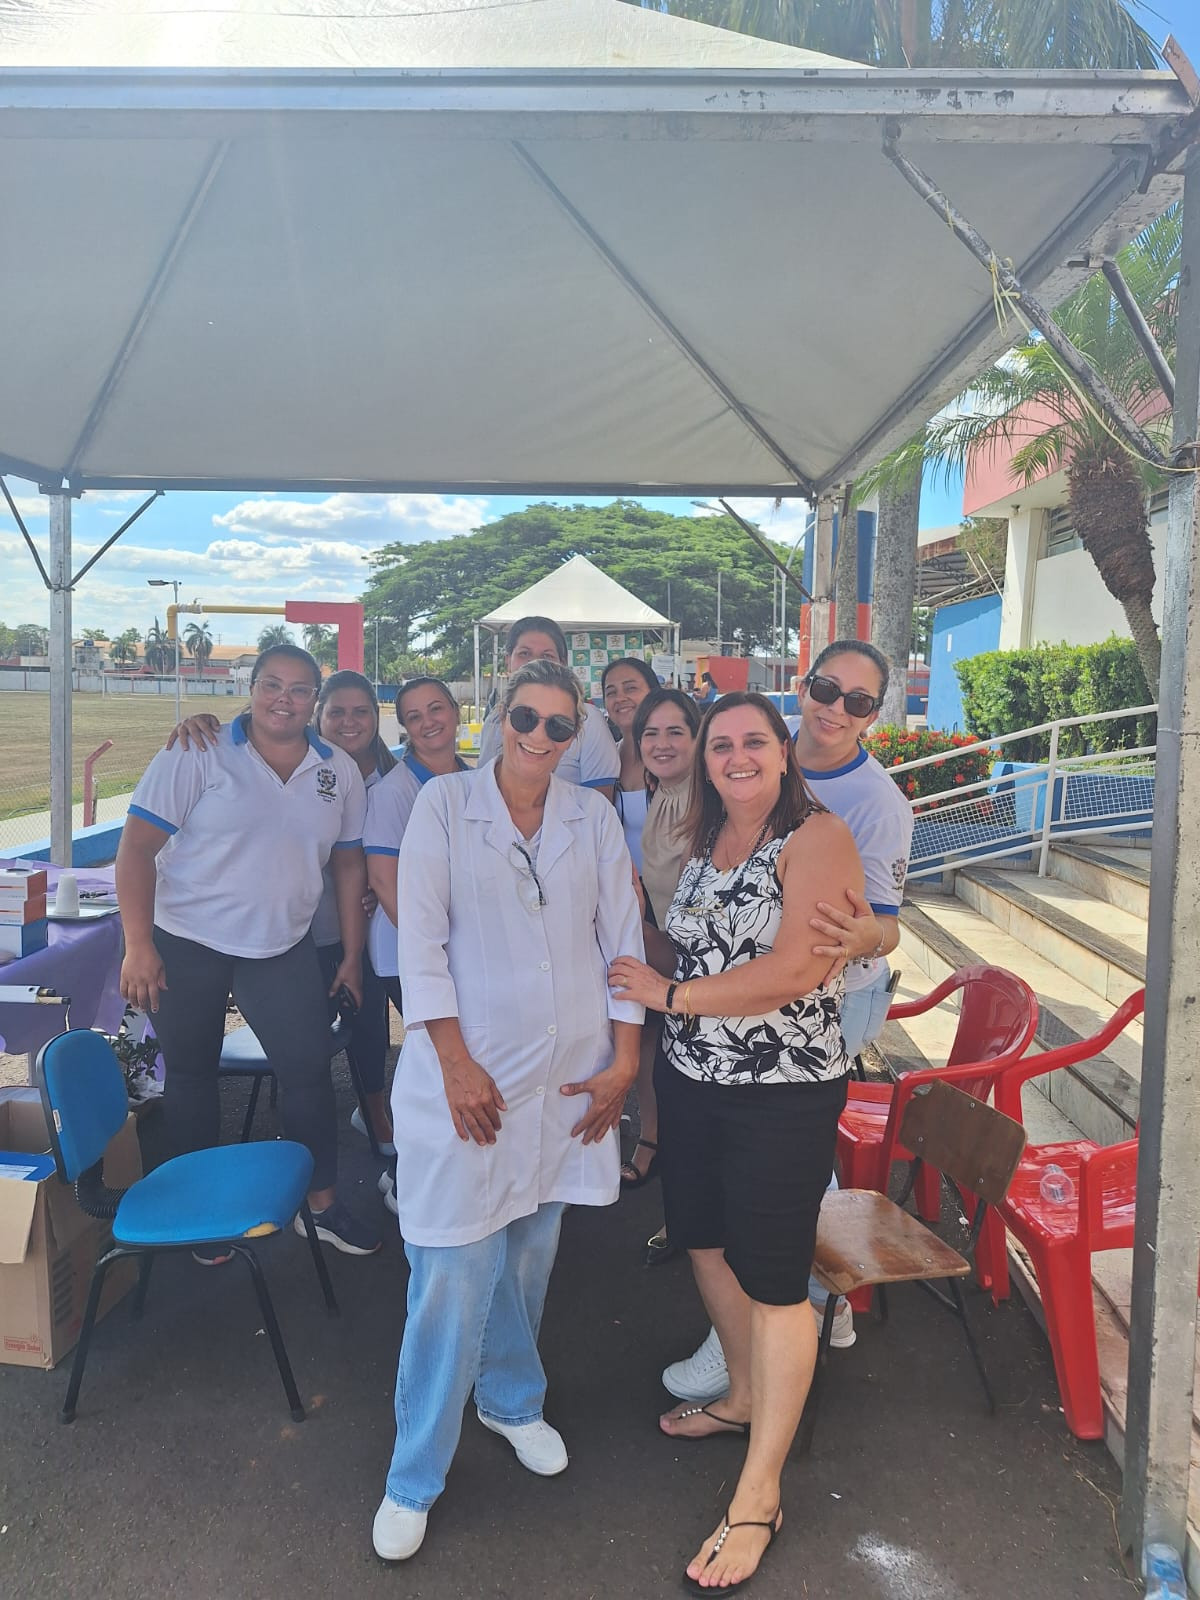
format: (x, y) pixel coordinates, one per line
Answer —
(525, 719)
(857, 701)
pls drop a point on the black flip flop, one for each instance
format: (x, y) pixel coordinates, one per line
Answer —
(694, 1586)
(639, 1178)
(741, 1429)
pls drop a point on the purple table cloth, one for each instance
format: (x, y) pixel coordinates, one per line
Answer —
(83, 960)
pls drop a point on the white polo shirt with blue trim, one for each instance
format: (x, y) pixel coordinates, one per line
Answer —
(881, 820)
(241, 870)
(591, 758)
(389, 806)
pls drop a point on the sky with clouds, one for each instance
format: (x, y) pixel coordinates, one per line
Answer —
(273, 548)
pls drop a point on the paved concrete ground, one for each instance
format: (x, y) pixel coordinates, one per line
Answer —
(184, 1476)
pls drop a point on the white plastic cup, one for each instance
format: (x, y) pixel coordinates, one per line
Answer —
(66, 896)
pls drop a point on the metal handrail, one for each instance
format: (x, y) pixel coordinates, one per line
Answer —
(1022, 733)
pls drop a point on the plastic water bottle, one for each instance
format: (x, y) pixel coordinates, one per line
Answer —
(1163, 1572)
(1056, 1186)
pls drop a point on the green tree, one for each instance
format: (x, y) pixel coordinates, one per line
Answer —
(160, 651)
(32, 639)
(277, 633)
(95, 635)
(321, 643)
(435, 591)
(198, 642)
(8, 642)
(1107, 486)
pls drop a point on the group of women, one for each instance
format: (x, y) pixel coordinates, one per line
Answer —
(529, 916)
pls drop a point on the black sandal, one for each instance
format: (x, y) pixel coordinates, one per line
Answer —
(742, 1429)
(696, 1587)
(639, 1178)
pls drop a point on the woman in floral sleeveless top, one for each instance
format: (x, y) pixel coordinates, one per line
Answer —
(750, 1086)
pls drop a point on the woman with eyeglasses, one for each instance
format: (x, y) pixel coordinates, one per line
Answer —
(624, 685)
(751, 1082)
(591, 758)
(516, 890)
(219, 875)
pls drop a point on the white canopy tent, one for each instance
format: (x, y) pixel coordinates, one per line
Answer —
(573, 246)
(578, 596)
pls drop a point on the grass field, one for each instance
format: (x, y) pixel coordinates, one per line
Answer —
(137, 725)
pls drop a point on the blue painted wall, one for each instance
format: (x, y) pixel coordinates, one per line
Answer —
(959, 631)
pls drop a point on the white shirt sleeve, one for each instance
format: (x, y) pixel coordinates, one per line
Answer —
(423, 889)
(354, 809)
(599, 758)
(169, 788)
(883, 843)
(618, 920)
(389, 806)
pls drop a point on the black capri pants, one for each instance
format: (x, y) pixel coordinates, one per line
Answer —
(744, 1169)
(283, 1000)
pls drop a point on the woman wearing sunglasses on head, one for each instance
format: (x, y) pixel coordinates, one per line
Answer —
(515, 889)
(591, 757)
(219, 875)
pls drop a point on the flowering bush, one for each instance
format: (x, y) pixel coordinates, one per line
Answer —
(891, 747)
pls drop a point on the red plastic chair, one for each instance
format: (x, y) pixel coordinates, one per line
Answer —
(1062, 1237)
(997, 1019)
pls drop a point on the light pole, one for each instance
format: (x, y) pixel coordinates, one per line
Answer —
(173, 584)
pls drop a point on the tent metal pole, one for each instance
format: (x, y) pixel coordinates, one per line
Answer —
(478, 678)
(61, 828)
(495, 660)
(1162, 1324)
(822, 580)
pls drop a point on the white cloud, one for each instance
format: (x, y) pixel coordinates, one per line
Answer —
(374, 518)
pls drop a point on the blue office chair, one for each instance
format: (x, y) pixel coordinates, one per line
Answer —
(225, 1196)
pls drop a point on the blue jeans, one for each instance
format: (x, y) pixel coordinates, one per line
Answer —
(474, 1311)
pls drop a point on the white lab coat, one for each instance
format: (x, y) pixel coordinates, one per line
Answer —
(529, 987)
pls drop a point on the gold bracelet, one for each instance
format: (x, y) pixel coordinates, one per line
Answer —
(687, 1000)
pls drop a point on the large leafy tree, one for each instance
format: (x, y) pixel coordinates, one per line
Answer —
(435, 591)
(276, 633)
(1029, 407)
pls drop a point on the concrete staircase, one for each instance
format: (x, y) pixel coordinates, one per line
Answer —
(1078, 937)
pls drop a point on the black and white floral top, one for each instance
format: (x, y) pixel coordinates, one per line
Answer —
(719, 920)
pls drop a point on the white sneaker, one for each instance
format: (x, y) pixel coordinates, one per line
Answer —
(397, 1532)
(386, 1147)
(703, 1376)
(539, 1447)
(843, 1335)
(387, 1189)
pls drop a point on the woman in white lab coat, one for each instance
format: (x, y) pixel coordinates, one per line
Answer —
(516, 889)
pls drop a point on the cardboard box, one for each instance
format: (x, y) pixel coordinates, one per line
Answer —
(23, 880)
(33, 910)
(48, 1247)
(25, 940)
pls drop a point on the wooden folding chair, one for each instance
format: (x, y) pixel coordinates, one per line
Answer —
(866, 1241)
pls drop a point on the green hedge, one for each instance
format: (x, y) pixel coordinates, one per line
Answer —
(1004, 690)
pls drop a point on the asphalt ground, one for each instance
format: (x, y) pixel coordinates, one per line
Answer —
(184, 1475)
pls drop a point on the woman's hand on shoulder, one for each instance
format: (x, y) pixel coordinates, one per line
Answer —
(197, 732)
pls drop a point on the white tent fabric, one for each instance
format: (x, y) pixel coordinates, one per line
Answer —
(578, 595)
(556, 245)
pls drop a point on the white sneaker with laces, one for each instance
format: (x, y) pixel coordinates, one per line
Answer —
(397, 1532)
(387, 1189)
(539, 1447)
(703, 1376)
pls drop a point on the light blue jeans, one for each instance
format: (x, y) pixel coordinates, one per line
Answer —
(474, 1312)
(863, 1011)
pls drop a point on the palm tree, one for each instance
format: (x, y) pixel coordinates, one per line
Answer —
(321, 643)
(198, 643)
(1027, 399)
(922, 33)
(277, 633)
(159, 649)
(119, 652)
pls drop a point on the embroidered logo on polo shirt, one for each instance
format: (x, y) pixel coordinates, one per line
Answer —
(327, 783)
